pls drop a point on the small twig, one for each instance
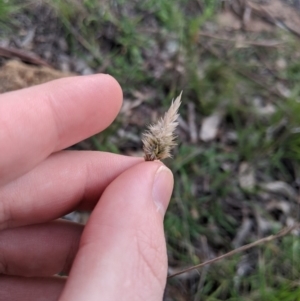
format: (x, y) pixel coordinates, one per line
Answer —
(268, 67)
(26, 56)
(205, 269)
(242, 72)
(263, 12)
(281, 233)
(246, 42)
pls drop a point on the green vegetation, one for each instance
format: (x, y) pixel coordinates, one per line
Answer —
(156, 48)
(7, 8)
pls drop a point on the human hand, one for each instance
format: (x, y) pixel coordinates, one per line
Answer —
(120, 254)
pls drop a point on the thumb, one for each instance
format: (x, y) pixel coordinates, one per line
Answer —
(122, 255)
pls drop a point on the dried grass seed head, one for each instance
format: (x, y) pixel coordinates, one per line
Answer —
(159, 139)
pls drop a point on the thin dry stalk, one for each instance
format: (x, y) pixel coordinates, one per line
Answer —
(262, 43)
(281, 233)
(244, 73)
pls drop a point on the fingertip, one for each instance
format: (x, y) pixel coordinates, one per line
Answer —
(142, 190)
(90, 95)
(110, 95)
(110, 84)
(158, 178)
(114, 85)
(125, 237)
(55, 115)
(162, 188)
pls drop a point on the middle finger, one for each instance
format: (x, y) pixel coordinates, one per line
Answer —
(64, 182)
(39, 250)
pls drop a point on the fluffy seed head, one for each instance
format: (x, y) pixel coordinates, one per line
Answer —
(159, 139)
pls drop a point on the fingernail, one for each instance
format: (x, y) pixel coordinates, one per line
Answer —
(162, 189)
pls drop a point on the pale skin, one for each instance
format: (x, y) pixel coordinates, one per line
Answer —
(121, 253)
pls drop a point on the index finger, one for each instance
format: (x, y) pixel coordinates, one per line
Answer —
(37, 121)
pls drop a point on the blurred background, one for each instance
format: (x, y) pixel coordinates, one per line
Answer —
(236, 166)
